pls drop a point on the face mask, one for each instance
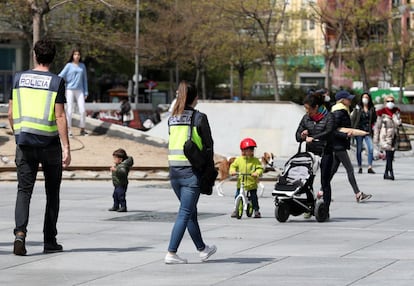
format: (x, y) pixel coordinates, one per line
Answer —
(365, 101)
(327, 98)
(390, 105)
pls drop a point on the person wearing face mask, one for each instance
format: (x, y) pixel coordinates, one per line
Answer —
(363, 117)
(326, 98)
(385, 132)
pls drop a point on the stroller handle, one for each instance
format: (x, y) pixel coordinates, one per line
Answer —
(300, 144)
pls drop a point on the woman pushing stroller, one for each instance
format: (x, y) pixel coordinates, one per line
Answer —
(316, 129)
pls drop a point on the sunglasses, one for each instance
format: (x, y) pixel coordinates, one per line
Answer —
(390, 100)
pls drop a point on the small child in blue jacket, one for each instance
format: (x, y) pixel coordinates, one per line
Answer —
(120, 170)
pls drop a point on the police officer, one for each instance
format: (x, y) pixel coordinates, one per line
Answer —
(37, 116)
(185, 179)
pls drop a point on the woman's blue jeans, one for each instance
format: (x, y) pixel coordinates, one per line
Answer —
(370, 149)
(187, 191)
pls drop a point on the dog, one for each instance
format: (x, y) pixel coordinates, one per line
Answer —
(267, 161)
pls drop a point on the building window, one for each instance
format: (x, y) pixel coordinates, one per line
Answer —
(286, 25)
(396, 3)
(304, 25)
(311, 24)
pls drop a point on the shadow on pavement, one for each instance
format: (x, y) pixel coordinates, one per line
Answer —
(243, 260)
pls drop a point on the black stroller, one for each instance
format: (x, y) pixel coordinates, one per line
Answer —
(294, 194)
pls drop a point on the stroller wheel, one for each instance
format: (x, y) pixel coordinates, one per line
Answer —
(282, 212)
(321, 211)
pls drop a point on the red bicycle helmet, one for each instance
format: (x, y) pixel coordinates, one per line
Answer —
(247, 143)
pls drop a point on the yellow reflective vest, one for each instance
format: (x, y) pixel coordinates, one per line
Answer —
(34, 99)
(179, 131)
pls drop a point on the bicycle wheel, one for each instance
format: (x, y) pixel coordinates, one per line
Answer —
(249, 210)
(239, 207)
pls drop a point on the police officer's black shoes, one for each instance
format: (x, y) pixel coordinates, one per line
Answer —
(122, 210)
(52, 248)
(19, 247)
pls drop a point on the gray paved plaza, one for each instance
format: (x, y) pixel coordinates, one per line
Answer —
(362, 244)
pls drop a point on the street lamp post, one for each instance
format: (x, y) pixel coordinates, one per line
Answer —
(136, 89)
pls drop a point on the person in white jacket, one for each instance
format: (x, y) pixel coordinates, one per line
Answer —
(385, 131)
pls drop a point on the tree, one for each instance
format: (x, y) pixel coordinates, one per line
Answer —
(366, 32)
(359, 29)
(165, 36)
(266, 21)
(29, 16)
(239, 47)
(332, 23)
(401, 35)
(206, 36)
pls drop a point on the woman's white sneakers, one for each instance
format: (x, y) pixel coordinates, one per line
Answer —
(207, 252)
(204, 256)
(174, 259)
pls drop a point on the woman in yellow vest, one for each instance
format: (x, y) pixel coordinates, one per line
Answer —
(185, 179)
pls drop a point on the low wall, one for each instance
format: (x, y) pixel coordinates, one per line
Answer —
(272, 125)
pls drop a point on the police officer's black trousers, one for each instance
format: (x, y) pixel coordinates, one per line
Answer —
(27, 160)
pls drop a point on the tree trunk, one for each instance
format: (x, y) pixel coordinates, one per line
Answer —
(275, 80)
(363, 73)
(328, 83)
(37, 18)
(36, 26)
(401, 80)
(241, 83)
(203, 83)
(171, 92)
(177, 74)
(197, 77)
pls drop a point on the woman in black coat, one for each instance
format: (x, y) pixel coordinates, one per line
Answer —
(315, 129)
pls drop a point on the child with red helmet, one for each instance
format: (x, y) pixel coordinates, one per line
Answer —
(247, 163)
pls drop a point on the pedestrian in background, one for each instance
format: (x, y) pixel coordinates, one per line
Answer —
(38, 119)
(326, 98)
(363, 117)
(76, 80)
(127, 115)
(341, 141)
(185, 179)
(385, 133)
(120, 170)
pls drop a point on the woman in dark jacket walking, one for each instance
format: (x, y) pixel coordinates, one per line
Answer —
(341, 142)
(315, 129)
(363, 117)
